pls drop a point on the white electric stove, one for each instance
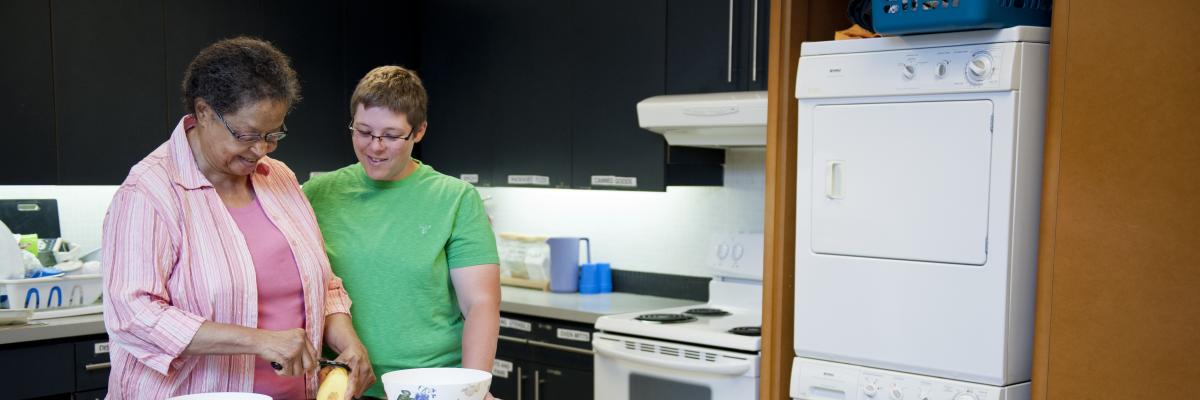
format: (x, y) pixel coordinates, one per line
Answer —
(706, 351)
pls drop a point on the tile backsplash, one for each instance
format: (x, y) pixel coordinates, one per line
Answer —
(662, 232)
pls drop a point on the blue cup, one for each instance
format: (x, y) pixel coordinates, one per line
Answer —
(604, 277)
(589, 279)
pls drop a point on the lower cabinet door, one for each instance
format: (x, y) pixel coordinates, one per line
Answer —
(554, 383)
(38, 370)
(92, 395)
(91, 364)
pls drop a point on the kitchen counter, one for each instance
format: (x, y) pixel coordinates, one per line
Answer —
(577, 307)
(584, 308)
(53, 328)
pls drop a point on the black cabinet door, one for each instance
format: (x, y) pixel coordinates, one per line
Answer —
(312, 35)
(756, 29)
(91, 364)
(703, 54)
(456, 70)
(108, 87)
(528, 112)
(508, 370)
(618, 59)
(29, 153)
(192, 26)
(36, 370)
(557, 383)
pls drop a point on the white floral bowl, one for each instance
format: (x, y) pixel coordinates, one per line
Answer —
(222, 396)
(436, 384)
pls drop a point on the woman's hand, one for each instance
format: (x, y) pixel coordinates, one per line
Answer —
(290, 349)
(362, 375)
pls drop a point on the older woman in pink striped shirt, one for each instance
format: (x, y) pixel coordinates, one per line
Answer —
(217, 277)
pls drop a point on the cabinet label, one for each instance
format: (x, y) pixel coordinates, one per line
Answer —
(469, 178)
(571, 334)
(614, 181)
(516, 324)
(535, 180)
(101, 348)
(501, 368)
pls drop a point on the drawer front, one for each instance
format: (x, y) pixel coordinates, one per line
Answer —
(91, 364)
(36, 370)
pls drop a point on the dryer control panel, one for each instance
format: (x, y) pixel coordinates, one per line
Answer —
(822, 380)
(952, 69)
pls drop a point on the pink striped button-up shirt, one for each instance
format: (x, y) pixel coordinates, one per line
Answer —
(174, 258)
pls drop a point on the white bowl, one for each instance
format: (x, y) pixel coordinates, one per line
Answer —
(222, 396)
(445, 383)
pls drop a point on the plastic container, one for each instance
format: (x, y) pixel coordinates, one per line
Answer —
(564, 263)
(50, 293)
(589, 282)
(904, 17)
(604, 277)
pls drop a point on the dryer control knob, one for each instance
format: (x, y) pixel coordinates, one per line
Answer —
(897, 394)
(908, 71)
(870, 390)
(979, 69)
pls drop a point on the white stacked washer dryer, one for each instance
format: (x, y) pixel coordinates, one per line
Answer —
(919, 169)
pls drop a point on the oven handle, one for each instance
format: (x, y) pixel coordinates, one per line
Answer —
(612, 349)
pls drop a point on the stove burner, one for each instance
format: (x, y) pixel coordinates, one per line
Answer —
(747, 331)
(707, 312)
(665, 318)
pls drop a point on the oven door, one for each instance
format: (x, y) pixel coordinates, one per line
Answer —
(628, 368)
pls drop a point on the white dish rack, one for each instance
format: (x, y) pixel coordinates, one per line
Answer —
(52, 292)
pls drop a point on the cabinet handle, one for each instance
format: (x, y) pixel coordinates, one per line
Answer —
(754, 47)
(511, 339)
(520, 378)
(97, 366)
(537, 385)
(729, 49)
(559, 347)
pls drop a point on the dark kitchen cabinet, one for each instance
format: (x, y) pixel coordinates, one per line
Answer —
(608, 149)
(528, 115)
(108, 87)
(193, 26)
(542, 359)
(716, 45)
(462, 96)
(60, 368)
(26, 94)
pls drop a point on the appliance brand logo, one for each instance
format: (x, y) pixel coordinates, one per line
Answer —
(835, 70)
(829, 374)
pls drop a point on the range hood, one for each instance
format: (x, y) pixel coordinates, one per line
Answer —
(734, 119)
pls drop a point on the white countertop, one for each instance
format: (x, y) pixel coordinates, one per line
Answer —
(585, 308)
(54, 328)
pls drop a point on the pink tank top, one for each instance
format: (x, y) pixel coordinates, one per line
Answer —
(280, 293)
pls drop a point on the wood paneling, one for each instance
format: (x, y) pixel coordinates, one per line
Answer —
(792, 22)
(1118, 305)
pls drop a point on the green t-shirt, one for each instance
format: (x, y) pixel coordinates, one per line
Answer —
(394, 244)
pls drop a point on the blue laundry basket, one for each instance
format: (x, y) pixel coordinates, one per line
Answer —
(902, 17)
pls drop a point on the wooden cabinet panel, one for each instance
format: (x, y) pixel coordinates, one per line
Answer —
(30, 154)
(108, 87)
(1118, 309)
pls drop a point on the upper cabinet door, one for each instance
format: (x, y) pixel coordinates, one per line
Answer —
(462, 89)
(108, 87)
(529, 115)
(26, 95)
(191, 27)
(703, 46)
(609, 150)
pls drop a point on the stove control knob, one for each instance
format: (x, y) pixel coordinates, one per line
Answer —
(896, 393)
(738, 252)
(965, 396)
(870, 390)
(979, 69)
(722, 251)
(908, 71)
(924, 395)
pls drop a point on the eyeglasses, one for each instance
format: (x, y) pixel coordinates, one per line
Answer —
(249, 138)
(385, 138)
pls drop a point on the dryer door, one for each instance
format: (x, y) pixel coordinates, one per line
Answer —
(905, 181)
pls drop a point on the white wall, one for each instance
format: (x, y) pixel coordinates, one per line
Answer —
(80, 208)
(643, 231)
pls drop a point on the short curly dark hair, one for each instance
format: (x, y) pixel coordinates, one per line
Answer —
(233, 73)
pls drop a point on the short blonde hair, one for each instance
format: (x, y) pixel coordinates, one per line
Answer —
(397, 88)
